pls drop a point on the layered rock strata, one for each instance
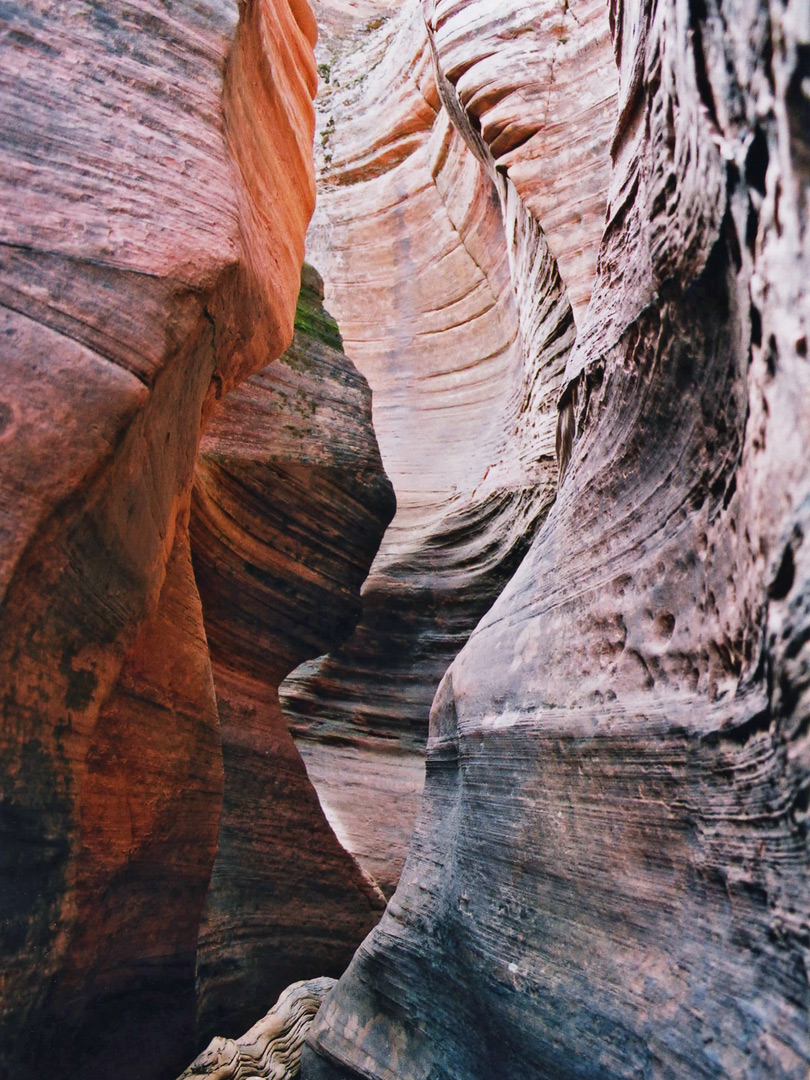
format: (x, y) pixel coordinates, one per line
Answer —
(450, 299)
(271, 1049)
(536, 86)
(156, 186)
(289, 505)
(609, 875)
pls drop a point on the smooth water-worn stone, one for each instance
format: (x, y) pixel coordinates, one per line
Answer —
(537, 82)
(289, 505)
(150, 254)
(452, 306)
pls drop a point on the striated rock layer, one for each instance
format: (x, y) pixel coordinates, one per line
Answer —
(609, 875)
(156, 187)
(450, 300)
(289, 505)
(536, 83)
(272, 1048)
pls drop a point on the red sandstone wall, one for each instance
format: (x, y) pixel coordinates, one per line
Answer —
(151, 239)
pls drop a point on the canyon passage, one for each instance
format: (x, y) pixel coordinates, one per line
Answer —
(405, 539)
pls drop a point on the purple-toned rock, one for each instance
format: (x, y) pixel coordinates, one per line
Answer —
(289, 505)
(609, 876)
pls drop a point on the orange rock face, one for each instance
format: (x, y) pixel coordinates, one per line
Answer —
(598, 440)
(150, 816)
(151, 239)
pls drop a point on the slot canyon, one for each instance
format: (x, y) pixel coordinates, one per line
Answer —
(405, 540)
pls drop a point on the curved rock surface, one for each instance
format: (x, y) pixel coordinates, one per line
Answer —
(537, 83)
(271, 1049)
(610, 872)
(609, 876)
(451, 304)
(289, 505)
(151, 240)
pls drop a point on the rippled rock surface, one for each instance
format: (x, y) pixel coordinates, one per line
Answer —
(271, 1049)
(157, 183)
(609, 875)
(452, 304)
(290, 502)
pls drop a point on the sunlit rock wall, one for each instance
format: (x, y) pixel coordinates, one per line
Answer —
(609, 876)
(156, 188)
(536, 83)
(450, 301)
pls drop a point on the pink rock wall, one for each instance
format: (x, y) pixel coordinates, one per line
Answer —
(452, 306)
(609, 874)
(537, 83)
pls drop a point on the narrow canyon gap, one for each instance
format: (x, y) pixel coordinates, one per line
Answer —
(453, 307)
(565, 261)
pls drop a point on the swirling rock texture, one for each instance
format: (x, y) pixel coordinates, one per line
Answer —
(156, 187)
(609, 876)
(271, 1049)
(289, 504)
(450, 300)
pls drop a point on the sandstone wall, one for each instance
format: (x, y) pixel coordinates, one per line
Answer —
(289, 504)
(156, 187)
(609, 873)
(451, 302)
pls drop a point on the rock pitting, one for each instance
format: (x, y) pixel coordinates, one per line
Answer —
(609, 873)
(567, 250)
